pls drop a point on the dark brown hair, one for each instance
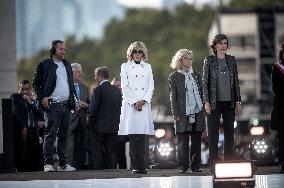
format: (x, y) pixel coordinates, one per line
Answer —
(217, 39)
(103, 72)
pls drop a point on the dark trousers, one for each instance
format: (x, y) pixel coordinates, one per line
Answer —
(57, 121)
(103, 150)
(121, 158)
(28, 152)
(21, 151)
(137, 145)
(228, 115)
(183, 149)
(280, 147)
(76, 150)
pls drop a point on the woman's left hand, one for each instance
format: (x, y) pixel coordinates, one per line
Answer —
(139, 105)
(238, 108)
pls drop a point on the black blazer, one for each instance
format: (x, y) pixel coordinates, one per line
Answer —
(20, 109)
(210, 77)
(105, 108)
(277, 114)
(83, 112)
(44, 81)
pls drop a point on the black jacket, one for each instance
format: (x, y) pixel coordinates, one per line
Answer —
(105, 108)
(210, 77)
(277, 115)
(44, 81)
(20, 109)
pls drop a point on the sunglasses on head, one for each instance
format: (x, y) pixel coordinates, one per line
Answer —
(139, 52)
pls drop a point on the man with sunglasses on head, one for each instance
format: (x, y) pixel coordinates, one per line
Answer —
(53, 84)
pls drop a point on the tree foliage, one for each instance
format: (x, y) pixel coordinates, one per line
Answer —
(162, 31)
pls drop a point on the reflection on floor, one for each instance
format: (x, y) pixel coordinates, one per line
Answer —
(262, 181)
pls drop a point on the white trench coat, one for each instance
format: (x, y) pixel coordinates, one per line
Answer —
(137, 84)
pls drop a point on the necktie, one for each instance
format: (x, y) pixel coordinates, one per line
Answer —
(30, 119)
(77, 90)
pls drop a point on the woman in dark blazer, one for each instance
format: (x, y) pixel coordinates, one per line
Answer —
(187, 109)
(277, 115)
(221, 95)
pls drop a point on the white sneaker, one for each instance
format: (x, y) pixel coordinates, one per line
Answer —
(48, 168)
(66, 168)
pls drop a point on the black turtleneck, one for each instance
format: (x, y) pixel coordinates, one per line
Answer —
(137, 62)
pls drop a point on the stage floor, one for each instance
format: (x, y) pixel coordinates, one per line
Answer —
(265, 177)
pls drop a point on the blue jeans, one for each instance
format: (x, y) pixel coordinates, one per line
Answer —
(57, 120)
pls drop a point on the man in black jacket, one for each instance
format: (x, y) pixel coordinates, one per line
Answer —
(105, 109)
(53, 84)
(25, 126)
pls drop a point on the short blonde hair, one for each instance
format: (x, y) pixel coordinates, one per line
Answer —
(135, 46)
(176, 60)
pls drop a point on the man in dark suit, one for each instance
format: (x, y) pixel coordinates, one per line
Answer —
(105, 109)
(53, 84)
(25, 120)
(121, 139)
(76, 148)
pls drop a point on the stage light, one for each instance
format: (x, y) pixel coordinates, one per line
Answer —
(233, 174)
(260, 149)
(159, 133)
(165, 149)
(254, 121)
(165, 155)
(257, 131)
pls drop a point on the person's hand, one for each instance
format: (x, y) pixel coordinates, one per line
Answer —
(83, 104)
(28, 98)
(40, 124)
(207, 108)
(24, 133)
(44, 102)
(139, 105)
(238, 108)
(204, 134)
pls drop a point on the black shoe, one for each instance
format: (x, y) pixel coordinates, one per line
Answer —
(282, 169)
(196, 170)
(139, 171)
(136, 171)
(182, 171)
(144, 171)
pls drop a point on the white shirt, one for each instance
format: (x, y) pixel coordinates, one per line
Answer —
(61, 91)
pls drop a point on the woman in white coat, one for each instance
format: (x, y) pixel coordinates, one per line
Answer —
(137, 89)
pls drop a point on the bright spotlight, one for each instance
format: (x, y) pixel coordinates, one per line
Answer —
(260, 146)
(257, 131)
(240, 174)
(165, 155)
(260, 150)
(159, 133)
(165, 149)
